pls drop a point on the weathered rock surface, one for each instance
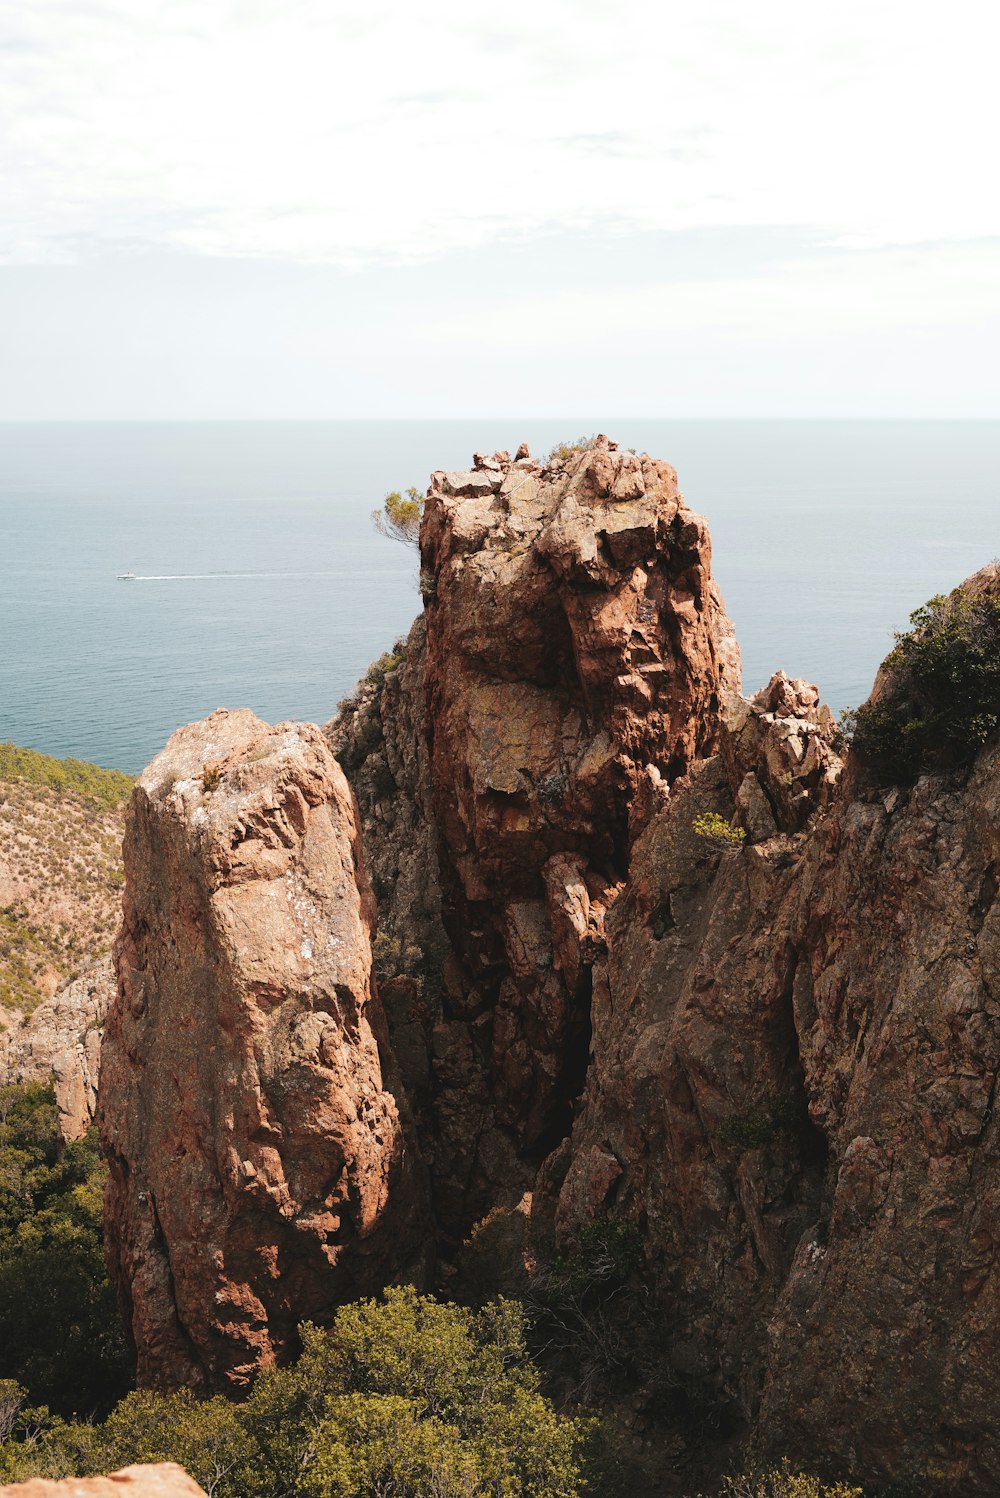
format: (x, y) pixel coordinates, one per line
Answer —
(795, 1059)
(571, 662)
(60, 1042)
(694, 1121)
(259, 1169)
(777, 1059)
(157, 1480)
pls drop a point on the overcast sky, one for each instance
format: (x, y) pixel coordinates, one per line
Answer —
(307, 208)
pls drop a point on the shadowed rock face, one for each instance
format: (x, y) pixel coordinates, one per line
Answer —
(259, 1173)
(795, 1053)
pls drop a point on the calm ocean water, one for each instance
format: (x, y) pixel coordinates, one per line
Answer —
(264, 584)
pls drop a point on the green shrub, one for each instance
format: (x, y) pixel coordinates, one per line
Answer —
(564, 450)
(400, 516)
(380, 669)
(405, 1397)
(589, 1308)
(105, 788)
(941, 702)
(61, 1336)
(211, 778)
(717, 832)
(783, 1482)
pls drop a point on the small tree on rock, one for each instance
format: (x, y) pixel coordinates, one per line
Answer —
(400, 516)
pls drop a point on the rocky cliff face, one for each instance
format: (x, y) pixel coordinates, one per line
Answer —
(570, 663)
(792, 1090)
(259, 1169)
(60, 1043)
(774, 1056)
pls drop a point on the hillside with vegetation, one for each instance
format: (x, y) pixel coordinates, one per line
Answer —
(60, 872)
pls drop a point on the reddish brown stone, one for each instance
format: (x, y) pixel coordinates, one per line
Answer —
(259, 1170)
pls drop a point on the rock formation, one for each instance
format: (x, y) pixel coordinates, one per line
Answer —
(60, 1043)
(157, 1480)
(571, 661)
(794, 1067)
(259, 1170)
(650, 954)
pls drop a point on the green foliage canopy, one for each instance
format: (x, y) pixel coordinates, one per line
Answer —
(61, 1336)
(941, 700)
(405, 1397)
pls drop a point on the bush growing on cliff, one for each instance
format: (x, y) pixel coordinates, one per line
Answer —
(941, 703)
(719, 834)
(400, 516)
(569, 449)
(61, 1336)
(404, 1398)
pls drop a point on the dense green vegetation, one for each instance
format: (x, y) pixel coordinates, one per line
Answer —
(104, 787)
(61, 1337)
(941, 701)
(403, 1398)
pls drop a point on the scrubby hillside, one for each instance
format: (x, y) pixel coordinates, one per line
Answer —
(60, 873)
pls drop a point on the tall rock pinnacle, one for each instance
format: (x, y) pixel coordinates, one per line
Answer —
(259, 1171)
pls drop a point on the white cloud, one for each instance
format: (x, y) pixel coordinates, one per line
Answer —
(313, 130)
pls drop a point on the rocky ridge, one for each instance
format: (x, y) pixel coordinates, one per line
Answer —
(570, 663)
(770, 1055)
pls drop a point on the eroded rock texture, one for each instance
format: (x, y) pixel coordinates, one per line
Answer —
(259, 1170)
(60, 1043)
(570, 664)
(795, 1056)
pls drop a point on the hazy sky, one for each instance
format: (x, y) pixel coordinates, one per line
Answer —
(312, 208)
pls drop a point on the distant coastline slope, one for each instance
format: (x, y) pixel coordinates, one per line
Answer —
(60, 872)
(60, 901)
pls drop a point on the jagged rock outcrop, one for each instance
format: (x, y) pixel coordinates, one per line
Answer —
(775, 1057)
(795, 1059)
(259, 1167)
(694, 1121)
(60, 1043)
(156, 1480)
(571, 662)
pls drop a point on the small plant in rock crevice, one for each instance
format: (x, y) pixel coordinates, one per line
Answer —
(718, 833)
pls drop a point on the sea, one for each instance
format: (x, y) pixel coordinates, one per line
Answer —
(261, 581)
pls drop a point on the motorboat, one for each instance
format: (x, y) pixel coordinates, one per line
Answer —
(126, 577)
